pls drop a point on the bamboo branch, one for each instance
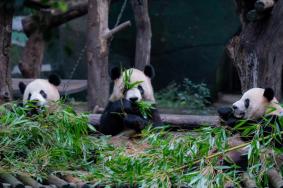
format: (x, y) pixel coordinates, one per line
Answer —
(225, 151)
(115, 30)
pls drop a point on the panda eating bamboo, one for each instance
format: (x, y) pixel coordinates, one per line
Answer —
(131, 87)
(257, 105)
(41, 93)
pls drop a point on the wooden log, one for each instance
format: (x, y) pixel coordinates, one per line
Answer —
(275, 178)
(247, 181)
(76, 181)
(262, 5)
(229, 185)
(175, 120)
(10, 179)
(29, 181)
(59, 182)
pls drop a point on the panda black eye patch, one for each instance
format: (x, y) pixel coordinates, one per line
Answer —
(247, 103)
(44, 95)
(141, 89)
(29, 96)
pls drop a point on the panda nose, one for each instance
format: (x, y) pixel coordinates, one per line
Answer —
(134, 99)
(234, 107)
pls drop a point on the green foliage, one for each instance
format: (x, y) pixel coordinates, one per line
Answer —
(58, 4)
(188, 94)
(57, 142)
(42, 144)
(145, 108)
(127, 80)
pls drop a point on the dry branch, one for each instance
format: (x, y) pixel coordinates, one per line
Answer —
(115, 30)
(54, 18)
(176, 121)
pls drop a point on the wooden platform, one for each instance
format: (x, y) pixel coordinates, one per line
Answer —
(66, 87)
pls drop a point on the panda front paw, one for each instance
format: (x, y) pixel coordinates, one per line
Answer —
(135, 122)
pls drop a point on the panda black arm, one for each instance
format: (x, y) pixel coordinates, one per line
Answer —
(112, 119)
(135, 122)
(155, 117)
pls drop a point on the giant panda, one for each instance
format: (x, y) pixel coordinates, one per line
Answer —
(255, 106)
(122, 112)
(42, 93)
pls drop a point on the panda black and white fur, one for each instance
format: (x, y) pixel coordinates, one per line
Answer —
(42, 92)
(253, 105)
(121, 112)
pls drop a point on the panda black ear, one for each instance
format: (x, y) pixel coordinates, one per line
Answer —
(22, 87)
(54, 79)
(268, 94)
(149, 71)
(115, 73)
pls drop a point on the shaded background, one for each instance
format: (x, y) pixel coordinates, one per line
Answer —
(188, 42)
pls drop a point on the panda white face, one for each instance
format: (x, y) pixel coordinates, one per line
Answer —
(39, 97)
(143, 91)
(41, 92)
(253, 104)
(135, 94)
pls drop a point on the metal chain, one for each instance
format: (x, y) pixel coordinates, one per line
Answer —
(82, 52)
(119, 17)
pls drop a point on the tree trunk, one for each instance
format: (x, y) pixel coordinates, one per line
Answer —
(32, 56)
(143, 38)
(97, 51)
(257, 51)
(6, 18)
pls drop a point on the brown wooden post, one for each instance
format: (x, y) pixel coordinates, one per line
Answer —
(6, 18)
(97, 51)
(143, 38)
(32, 56)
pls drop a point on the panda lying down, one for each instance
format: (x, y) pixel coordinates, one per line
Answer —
(122, 112)
(253, 105)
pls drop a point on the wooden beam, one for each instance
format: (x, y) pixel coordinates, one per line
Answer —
(176, 121)
(120, 27)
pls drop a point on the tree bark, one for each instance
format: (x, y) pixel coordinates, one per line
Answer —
(143, 38)
(97, 51)
(6, 18)
(52, 18)
(32, 56)
(257, 51)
